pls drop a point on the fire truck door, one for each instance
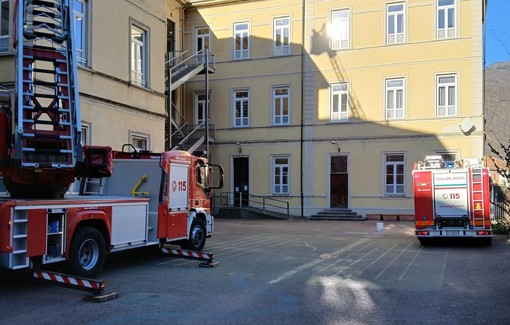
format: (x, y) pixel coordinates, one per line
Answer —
(178, 200)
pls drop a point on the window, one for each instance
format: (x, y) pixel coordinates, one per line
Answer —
(200, 103)
(140, 141)
(339, 29)
(281, 105)
(280, 175)
(282, 36)
(447, 95)
(241, 107)
(446, 19)
(395, 23)
(85, 133)
(339, 102)
(4, 25)
(201, 173)
(394, 173)
(80, 31)
(395, 98)
(139, 56)
(203, 39)
(241, 41)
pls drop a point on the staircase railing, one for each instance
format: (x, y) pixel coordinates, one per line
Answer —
(264, 203)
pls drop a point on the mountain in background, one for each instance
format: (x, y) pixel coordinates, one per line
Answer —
(497, 109)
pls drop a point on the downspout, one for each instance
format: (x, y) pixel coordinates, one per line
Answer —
(302, 106)
(484, 109)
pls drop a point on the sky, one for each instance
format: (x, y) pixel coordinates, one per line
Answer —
(497, 37)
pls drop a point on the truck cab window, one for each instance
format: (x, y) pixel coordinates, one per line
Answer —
(201, 171)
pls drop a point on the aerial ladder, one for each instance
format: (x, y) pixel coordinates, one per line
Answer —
(42, 130)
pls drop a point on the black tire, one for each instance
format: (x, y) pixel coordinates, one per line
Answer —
(87, 252)
(424, 241)
(197, 235)
(487, 241)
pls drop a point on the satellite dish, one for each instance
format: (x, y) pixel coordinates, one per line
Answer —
(467, 125)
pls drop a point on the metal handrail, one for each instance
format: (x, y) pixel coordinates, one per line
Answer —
(183, 60)
(266, 202)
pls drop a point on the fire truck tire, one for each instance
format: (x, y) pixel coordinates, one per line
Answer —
(424, 241)
(87, 252)
(486, 241)
(197, 235)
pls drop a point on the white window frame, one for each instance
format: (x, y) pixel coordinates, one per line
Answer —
(281, 103)
(137, 136)
(86, 133)
(241, 40)
(139, 54)
(239, 100)
(340, 29)
(446, 95)
(396, 187)
(202, 41)
(5, 29)
(199, 102)
(81, 17)
(395, 103)
(393, 18)
(447, 14)
(280, 175)
(339, 101)
(281, 36)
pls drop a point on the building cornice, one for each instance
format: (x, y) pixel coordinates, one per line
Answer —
(191, 4)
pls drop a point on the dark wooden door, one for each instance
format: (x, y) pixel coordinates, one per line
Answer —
(339, 182)
(241, 181)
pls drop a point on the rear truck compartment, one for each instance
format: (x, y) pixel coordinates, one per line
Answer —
(452, 199)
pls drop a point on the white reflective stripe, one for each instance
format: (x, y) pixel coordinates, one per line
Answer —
(59, 278)
(87, 284)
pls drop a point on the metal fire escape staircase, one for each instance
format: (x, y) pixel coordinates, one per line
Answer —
(181, 68)
(48, 122)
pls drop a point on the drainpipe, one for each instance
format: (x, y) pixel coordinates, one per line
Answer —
(302, 105)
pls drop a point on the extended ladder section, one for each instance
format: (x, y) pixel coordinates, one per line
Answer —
(47, 119)
(477, 191)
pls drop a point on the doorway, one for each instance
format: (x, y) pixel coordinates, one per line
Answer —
(339, 182)
(241, 181)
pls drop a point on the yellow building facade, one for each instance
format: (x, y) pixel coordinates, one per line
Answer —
(315, 103)
(328, 104)
(121, 48)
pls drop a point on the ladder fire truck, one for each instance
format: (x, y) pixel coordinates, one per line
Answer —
(452, 199)
(128, 199)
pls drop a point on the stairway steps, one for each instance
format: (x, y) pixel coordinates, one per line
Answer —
(337, 214)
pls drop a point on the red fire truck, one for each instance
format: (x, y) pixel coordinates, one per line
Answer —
(129, 199)
(151, 200)
(452, 199)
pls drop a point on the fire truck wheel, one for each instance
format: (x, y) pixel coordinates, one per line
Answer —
(424, 241)
(87, 252)
(197, 234)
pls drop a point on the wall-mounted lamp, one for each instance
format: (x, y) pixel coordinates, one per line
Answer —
(336, 144)
(240, 149)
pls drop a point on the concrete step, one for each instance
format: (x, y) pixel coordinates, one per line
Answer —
(337, 214)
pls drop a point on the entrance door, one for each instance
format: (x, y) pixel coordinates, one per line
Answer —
(241, 181)
(339, 182)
